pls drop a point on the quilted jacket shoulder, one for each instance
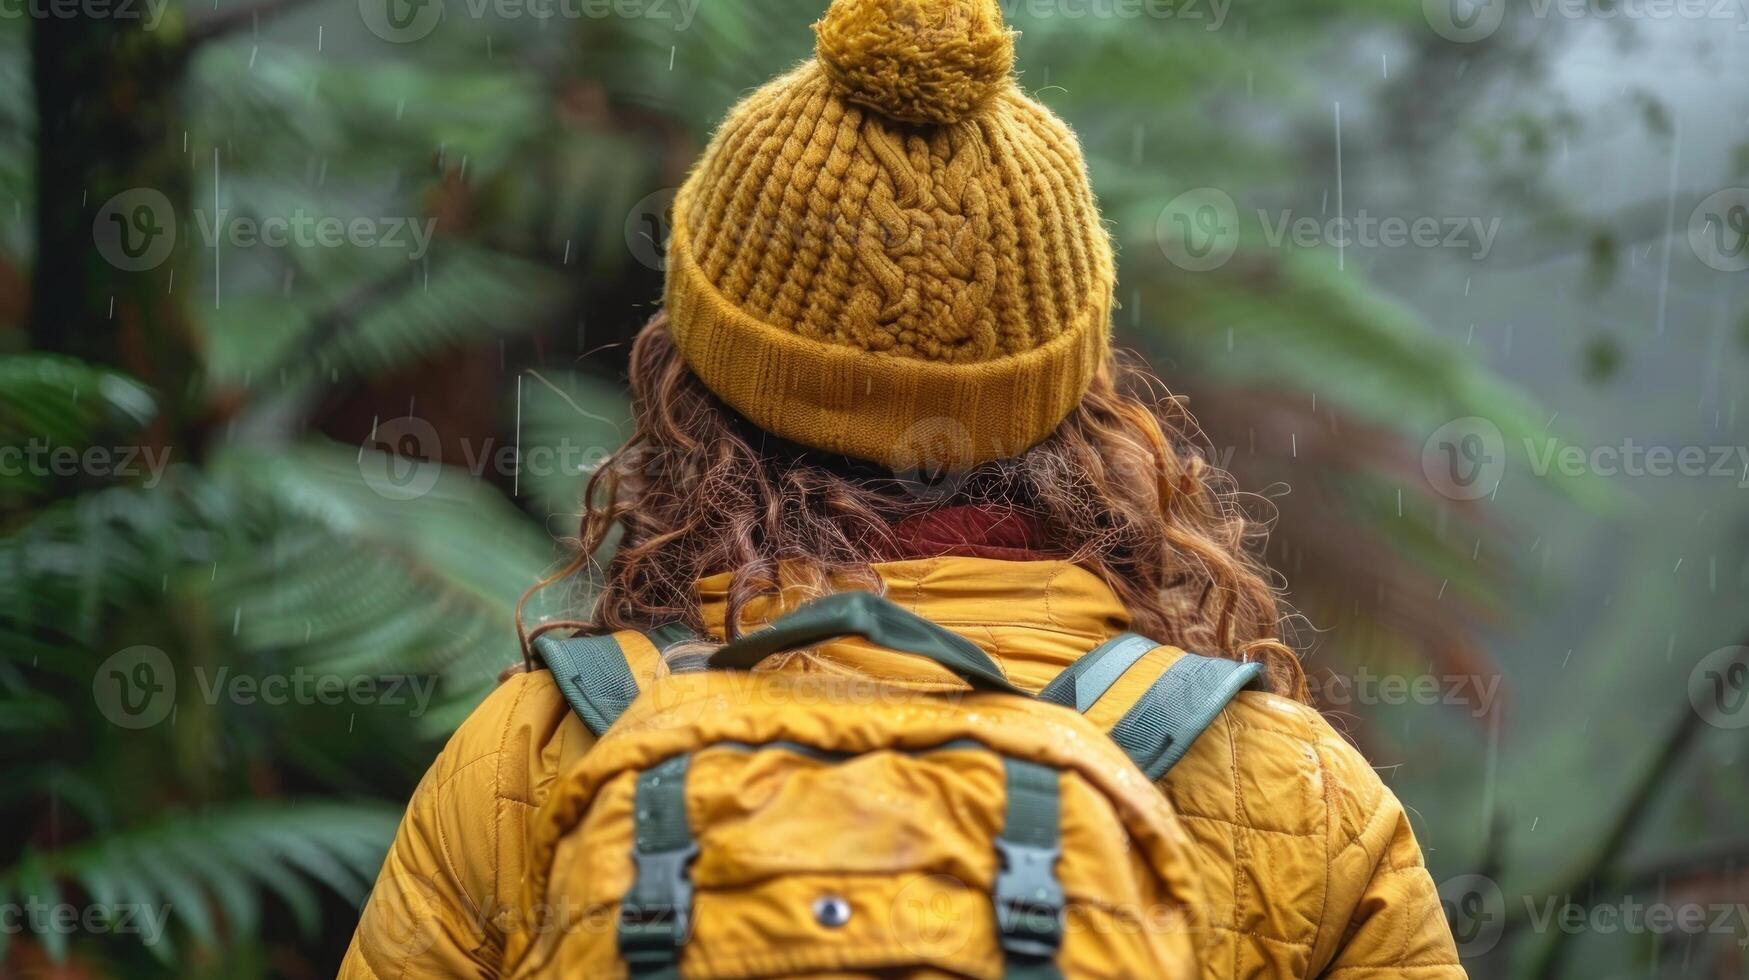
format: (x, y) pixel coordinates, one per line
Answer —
(1307, 858)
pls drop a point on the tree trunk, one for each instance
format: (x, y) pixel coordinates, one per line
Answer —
(113, 220)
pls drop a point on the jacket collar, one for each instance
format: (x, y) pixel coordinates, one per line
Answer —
(1033, 617)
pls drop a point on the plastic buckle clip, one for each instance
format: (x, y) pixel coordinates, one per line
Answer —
(1029, 899)
(656, 915)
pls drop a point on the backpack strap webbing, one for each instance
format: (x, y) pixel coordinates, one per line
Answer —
(1084, 682)
(595, 676)
(1187, 698)
(655, 916)
(1028, 896)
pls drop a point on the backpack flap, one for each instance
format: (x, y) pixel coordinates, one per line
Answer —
(750, 823)
(821, 826)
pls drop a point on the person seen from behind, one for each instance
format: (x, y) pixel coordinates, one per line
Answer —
(928, 643)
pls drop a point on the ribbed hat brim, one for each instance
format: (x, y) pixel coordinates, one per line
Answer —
(903, 412)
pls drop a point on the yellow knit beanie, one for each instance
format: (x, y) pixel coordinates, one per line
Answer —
(891, 252)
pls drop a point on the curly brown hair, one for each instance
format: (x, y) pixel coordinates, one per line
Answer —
(1123, 487)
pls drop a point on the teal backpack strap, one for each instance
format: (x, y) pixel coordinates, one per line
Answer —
(655, 916)
(1085, 681)
(874, 619)
(1028, 896)
(1160, 728)
(593, 674)
(668, 634)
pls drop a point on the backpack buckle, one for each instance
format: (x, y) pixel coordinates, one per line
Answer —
(656, 915)
(1029, 899)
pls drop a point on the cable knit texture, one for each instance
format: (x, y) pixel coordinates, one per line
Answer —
(891, 252)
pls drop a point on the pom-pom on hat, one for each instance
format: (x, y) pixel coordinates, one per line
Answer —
(891, 252)
(916, 61)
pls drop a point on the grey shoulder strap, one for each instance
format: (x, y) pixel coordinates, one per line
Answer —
(1187, 698)
(1084, 682)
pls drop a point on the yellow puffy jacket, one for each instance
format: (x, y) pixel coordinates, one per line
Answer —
(1307, 863)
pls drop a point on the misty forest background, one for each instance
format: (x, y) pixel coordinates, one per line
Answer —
(544, 151)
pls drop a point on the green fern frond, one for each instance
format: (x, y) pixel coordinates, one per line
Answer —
(61, 401)
(289, 552)
(377, 315)
(363, 581)
(208, 872)
(275, 102)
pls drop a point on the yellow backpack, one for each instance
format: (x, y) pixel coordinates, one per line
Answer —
(733, 823)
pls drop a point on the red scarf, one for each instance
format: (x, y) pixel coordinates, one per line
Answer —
(970, 531)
